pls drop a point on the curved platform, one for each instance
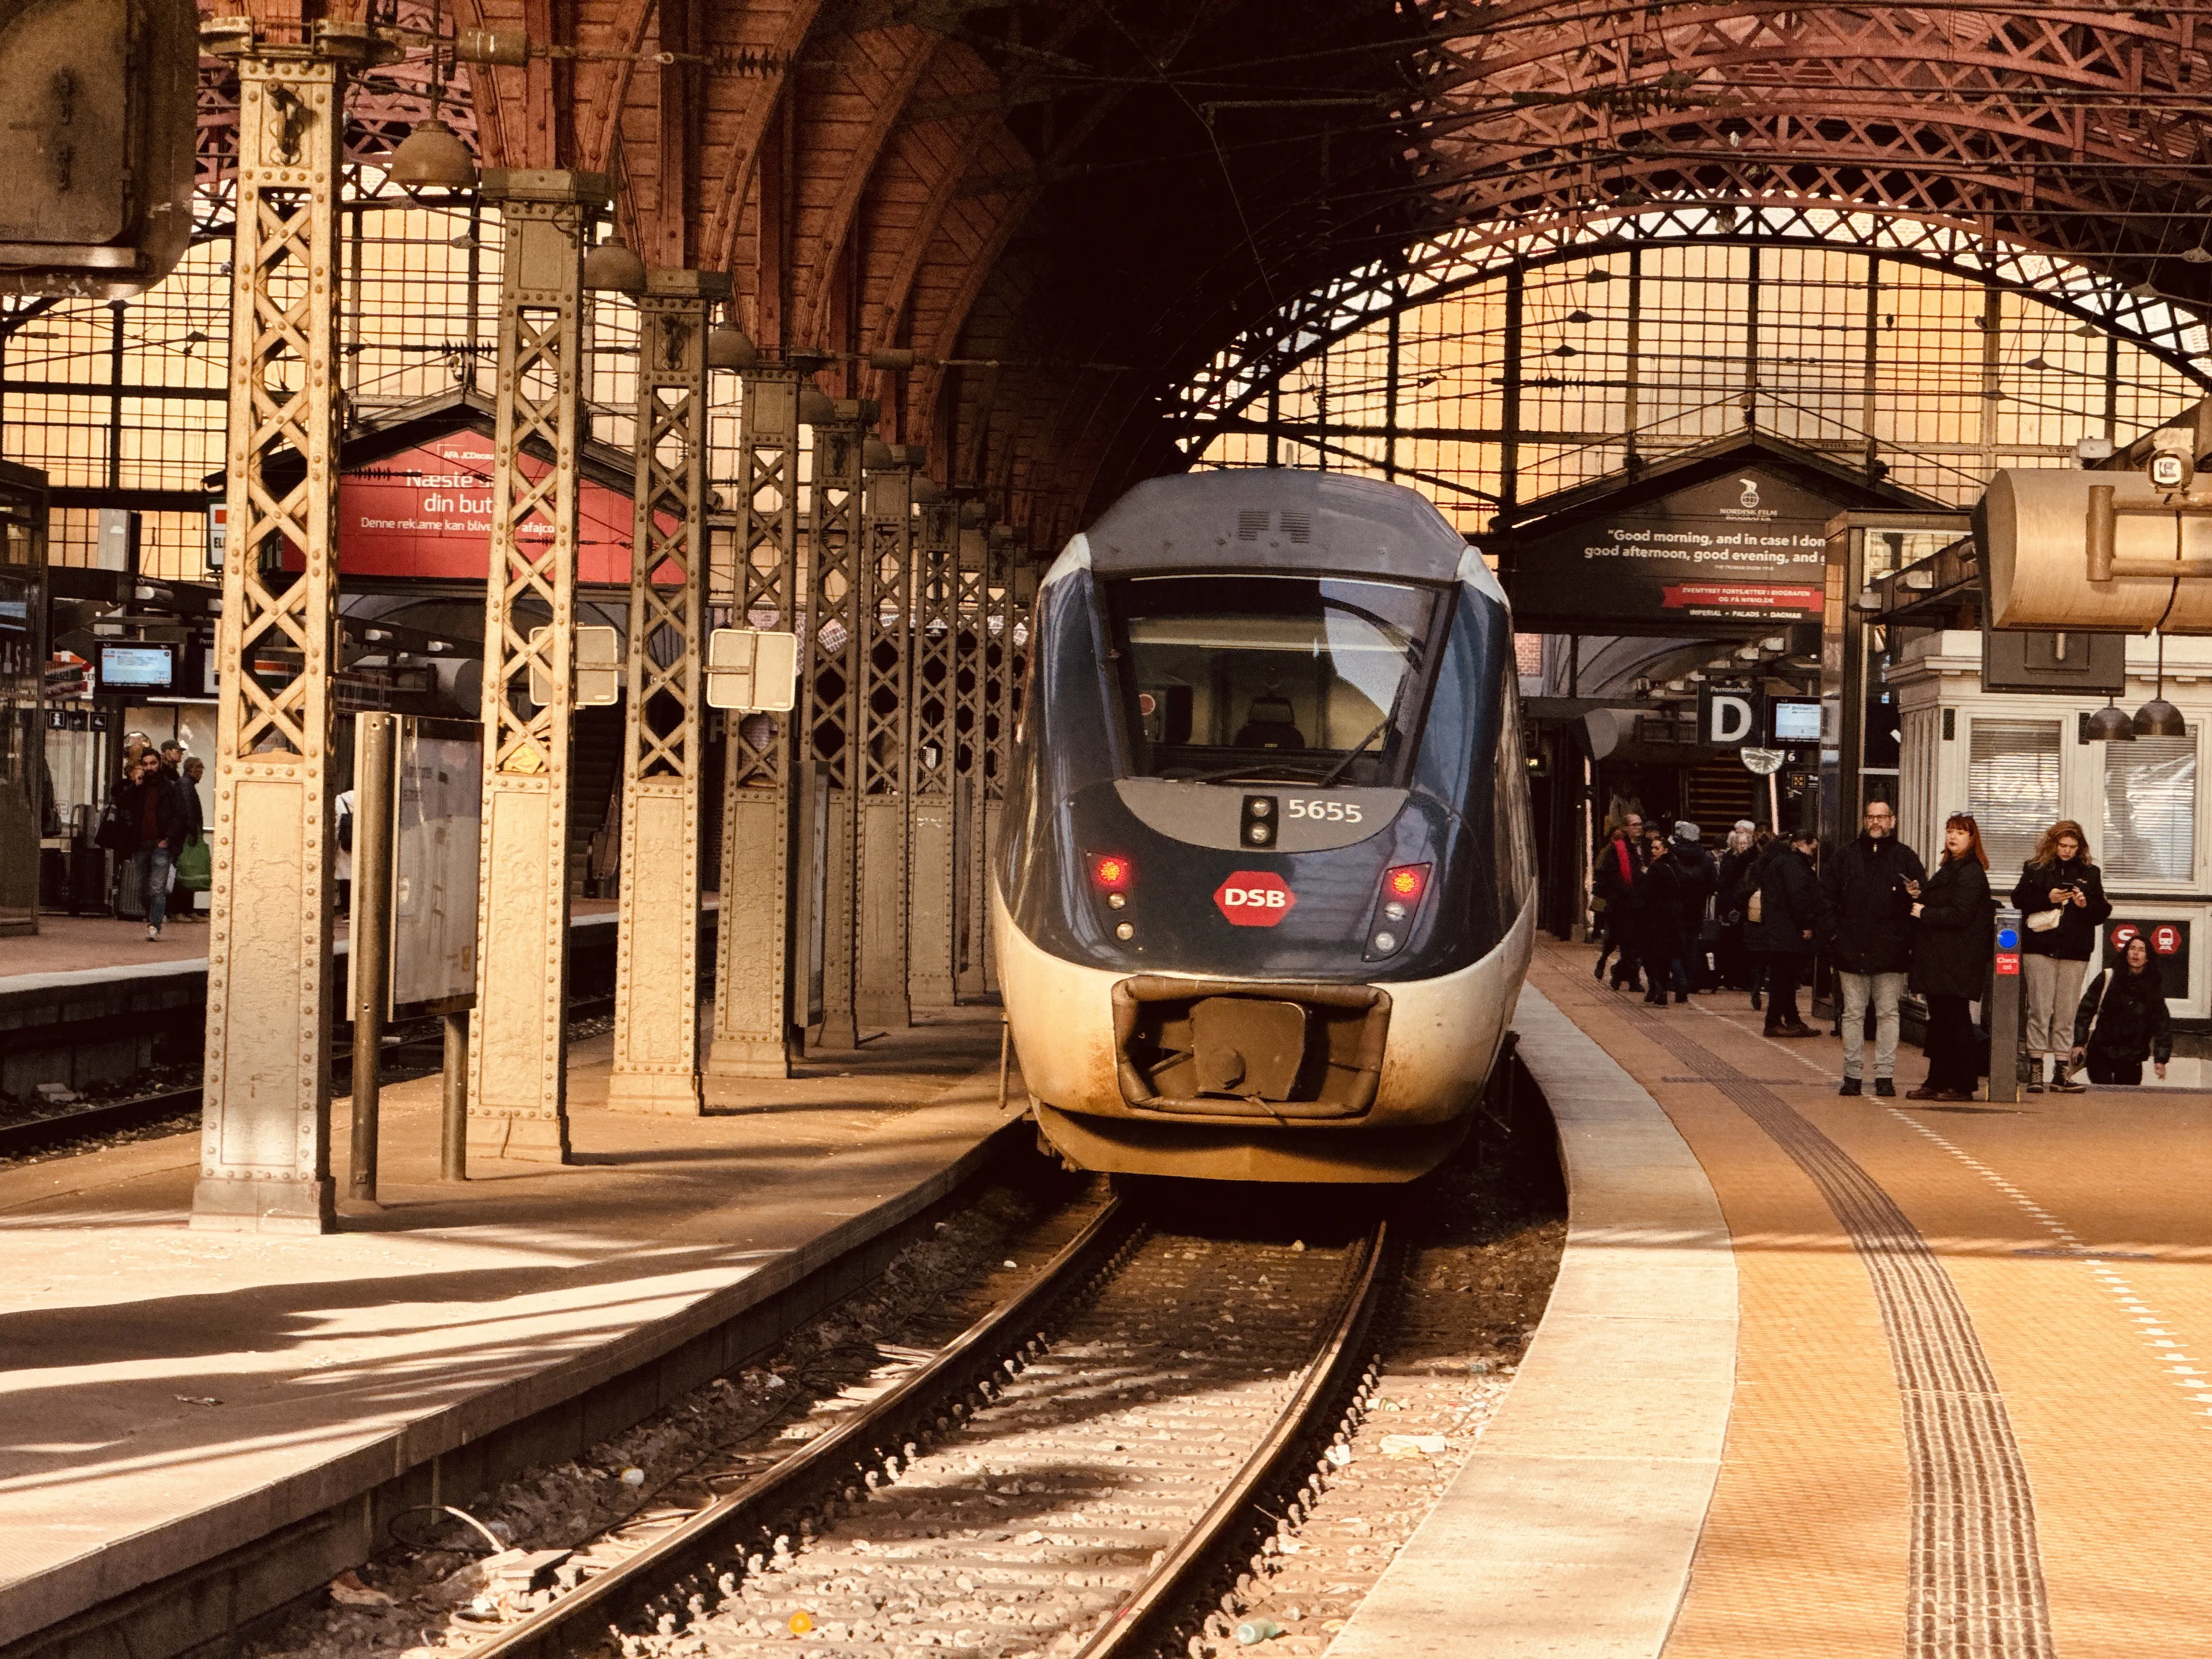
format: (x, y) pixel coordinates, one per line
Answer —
(1955, 1349)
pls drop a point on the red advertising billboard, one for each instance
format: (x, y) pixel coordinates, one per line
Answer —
(426, 512)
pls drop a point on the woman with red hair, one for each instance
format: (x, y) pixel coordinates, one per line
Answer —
(1951, 958)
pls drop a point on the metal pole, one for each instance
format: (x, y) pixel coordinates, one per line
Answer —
(2004, 1008)
(264, 1161)
(656, 1035)
(375, 741)
(454, 1127)
(759, 992)
(518, 1081)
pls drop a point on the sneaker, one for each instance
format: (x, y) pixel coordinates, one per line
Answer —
(1851, 1086)
(153, 934)
(2063, 1084)
(1886, 1088)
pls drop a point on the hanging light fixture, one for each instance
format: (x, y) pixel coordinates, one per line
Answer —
(2111, 724)
(433, 153)
(611, 268)
(730, 348)
(2158, 718)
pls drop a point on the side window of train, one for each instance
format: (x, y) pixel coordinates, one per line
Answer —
(1513, 830)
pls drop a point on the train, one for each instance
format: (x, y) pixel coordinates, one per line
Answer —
(1263, 891)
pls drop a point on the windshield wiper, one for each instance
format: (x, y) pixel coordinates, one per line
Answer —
(1339, 769)
(1246, 771)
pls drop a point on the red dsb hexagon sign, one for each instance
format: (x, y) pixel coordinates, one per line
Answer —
(1254, 898)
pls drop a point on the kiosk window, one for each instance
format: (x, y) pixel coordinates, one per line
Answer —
(2150, 810)
(2012, 787)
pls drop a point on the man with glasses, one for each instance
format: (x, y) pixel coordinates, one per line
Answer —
(1871, 884)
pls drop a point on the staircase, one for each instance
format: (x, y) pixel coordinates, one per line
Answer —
(1715, 795)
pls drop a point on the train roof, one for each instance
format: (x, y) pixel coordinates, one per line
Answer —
(1279, 516)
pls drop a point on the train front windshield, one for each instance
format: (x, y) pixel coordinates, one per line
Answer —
(1265, 676)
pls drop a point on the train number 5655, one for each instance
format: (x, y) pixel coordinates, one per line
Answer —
(1336, 811)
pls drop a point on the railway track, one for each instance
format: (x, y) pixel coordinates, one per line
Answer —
(1090, 1469)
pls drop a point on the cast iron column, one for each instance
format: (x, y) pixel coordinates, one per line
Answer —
(518, 1053)
(656, 1049)
(266, 1155)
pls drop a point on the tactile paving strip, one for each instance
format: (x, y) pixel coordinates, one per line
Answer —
(1976, 1586)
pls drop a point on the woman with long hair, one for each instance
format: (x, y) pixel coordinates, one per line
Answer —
(1951, 958)
(2062, 903)
(2123, 1021)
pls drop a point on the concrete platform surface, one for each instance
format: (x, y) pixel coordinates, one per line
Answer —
(168, 1395)
(75, 950)
(1572, 1528)
(1973, 1403)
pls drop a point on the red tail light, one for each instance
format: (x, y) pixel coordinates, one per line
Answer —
(1110, 873)
(1405, 883)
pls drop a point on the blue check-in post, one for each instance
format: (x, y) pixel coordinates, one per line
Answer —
(2005, 1007)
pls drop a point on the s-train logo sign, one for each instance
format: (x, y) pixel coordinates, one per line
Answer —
(1254, 898)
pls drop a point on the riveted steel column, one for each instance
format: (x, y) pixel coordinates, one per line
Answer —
(759, 992)
(264, 1146)
(835, 647)
(656, 1046)
(517, 1056)
(880, 927)
(974, 674)
(933, 740)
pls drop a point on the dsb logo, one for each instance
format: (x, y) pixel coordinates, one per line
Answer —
(1254, 898)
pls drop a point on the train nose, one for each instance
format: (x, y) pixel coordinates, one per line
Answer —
(1248, 1048)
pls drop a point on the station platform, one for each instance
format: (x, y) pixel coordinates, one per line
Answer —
(1833, 1376)
(178, 1398)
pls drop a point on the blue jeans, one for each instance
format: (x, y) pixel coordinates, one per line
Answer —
(1883, 990)
(150, 867)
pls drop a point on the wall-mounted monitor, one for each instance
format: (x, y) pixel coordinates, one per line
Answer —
(137, 668)
(1797, 719)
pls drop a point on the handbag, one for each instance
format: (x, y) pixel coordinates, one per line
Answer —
(195, 865)
(113, 834)
(2043, 921)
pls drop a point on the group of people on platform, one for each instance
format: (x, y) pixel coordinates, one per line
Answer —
(152, 821)
(1676, 919)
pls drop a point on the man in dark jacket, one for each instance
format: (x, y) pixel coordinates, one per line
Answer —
(1700, 880)
(1792, 920)
(1870, 888)
(153, 811)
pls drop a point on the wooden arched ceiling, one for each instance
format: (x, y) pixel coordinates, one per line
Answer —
(1065, 208)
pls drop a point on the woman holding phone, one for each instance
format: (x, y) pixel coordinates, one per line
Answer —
(2062, 903)
(1951, 951)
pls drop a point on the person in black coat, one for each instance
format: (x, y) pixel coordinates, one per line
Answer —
(1730, 957)
(1870, 887)
(2123, 1020)
(1613, 879)
(2059, 882)
(1793, 918)
(1951, 952)
(1659, 937)
(1700, 881)
(151, 811)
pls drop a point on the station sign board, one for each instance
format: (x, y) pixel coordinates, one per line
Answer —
(1737, 551)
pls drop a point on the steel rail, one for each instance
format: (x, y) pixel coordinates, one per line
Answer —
(1146, 1623)
(675, 1570)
